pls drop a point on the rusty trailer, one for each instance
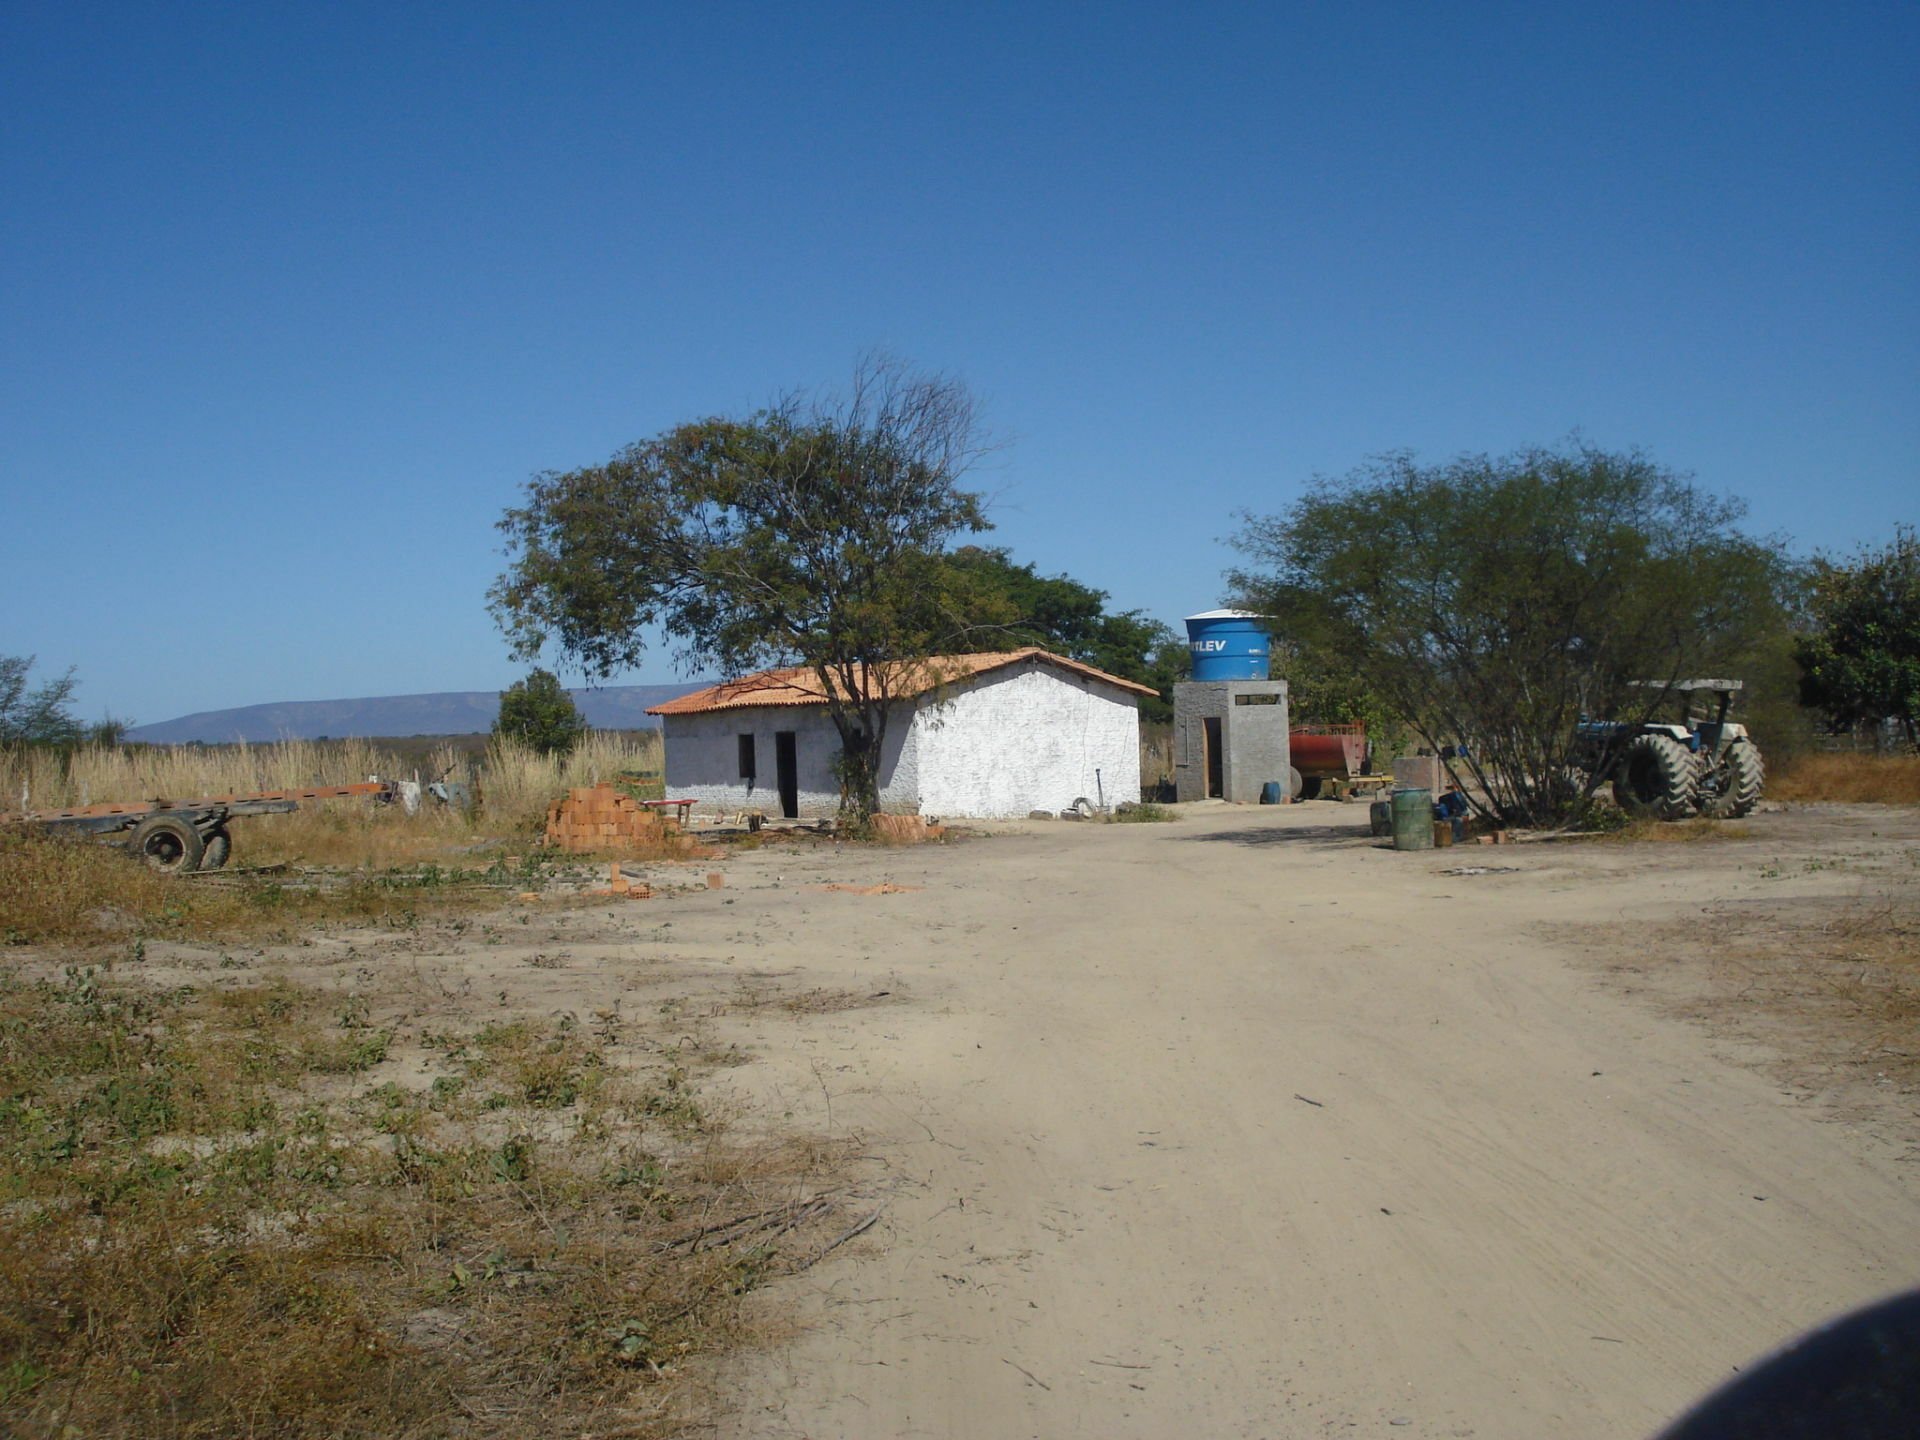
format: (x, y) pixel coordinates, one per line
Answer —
(177, 837)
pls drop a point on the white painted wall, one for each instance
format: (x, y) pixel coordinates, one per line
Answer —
(1027, 738)
(703, 759)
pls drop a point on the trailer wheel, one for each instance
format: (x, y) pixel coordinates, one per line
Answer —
(169, 844)
(1310, 787)
(219, 850)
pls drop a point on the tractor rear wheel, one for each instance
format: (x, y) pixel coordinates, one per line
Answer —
(1732, 782)
(169, 844)
(1657, 778)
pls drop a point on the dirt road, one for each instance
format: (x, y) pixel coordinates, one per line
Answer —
(1241, 1126)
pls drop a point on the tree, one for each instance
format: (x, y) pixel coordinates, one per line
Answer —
(537, 711)
(1071, 619)
(810, 533)
(40, 716)
(1861, 665)
(1491, 603)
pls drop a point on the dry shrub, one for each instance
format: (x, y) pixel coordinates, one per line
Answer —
(202, 1234)
(1847, 777)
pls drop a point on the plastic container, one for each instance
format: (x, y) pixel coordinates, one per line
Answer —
(1413, 819)
(1228, 645)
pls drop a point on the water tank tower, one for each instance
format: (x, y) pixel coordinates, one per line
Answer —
(1230, 737)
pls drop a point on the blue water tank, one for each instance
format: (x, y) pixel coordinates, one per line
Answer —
(1228, 645)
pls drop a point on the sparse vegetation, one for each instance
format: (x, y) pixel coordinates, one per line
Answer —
(1846, 969)
(1851, 777)
(62, 891)
(229, 1212)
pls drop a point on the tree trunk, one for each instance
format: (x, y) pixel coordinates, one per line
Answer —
(859, 770)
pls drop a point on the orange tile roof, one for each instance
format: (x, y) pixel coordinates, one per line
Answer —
(798, 685)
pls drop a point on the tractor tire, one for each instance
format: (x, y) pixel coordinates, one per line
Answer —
(1657, 778)
(169, 844)
(219, 850)
(1731, 786)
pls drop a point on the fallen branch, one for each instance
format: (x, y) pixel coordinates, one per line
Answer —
(725, 1232)
(1029, 1374)
(832, 1245)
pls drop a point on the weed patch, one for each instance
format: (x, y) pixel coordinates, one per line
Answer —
(203, 1233)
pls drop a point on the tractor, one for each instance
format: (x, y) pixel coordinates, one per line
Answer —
(1668, 771)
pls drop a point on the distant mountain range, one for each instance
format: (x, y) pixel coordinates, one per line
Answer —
(451, 712)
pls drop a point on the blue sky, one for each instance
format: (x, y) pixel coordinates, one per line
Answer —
(292, 299)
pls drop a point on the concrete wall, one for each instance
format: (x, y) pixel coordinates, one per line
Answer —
(1253, 737)
(1027, 738)
(703, 759)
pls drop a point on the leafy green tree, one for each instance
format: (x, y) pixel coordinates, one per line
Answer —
(1490, 603)
(811, 533)
(538, 711)
(1068, 618)
(1860, 666)
(42, 715)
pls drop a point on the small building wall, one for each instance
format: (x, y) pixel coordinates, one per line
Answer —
(703, 759)
(1013, 740)
(1254, 740)
(1025, 739)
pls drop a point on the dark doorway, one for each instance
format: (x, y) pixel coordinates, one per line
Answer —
(1216, 760)
(786, 771)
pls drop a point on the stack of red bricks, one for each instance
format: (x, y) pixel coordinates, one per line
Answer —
(599, 818)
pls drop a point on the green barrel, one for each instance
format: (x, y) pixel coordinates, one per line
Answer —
(1413, 819)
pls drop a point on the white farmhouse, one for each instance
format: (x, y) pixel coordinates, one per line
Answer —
(997, 734)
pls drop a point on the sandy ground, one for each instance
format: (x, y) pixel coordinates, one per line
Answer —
(1244, 1126)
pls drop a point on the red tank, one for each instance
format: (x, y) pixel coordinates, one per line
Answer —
(1329, 749)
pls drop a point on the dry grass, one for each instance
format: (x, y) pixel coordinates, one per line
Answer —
(516, 782)
(1827, 986)
(1847, 777)
(218, 1218)
(1697, 830)
(95, 774)
(1850, 968)
(80, 893)
(1156, 760)
(515, 786)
